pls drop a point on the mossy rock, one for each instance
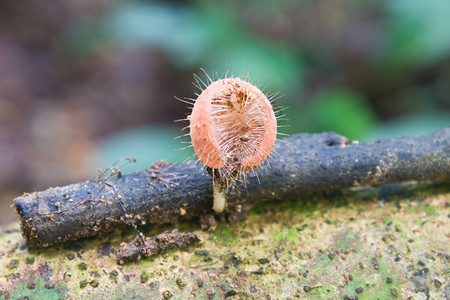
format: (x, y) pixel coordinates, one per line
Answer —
(374, 243)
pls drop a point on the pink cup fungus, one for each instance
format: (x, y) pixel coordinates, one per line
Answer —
(233, 129)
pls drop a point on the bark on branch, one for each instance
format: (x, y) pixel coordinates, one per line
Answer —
(306, 164)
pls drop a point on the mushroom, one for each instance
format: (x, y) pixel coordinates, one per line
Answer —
(233, 130)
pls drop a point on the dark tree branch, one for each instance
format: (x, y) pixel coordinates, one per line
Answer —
(306, 164)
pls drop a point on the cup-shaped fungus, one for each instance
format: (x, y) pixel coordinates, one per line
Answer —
(233, 129)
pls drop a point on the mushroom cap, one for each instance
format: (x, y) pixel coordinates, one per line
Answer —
(232, 126)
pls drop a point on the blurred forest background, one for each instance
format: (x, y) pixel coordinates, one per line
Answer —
(83, 83)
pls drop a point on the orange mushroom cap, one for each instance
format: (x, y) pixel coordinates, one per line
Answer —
(232, 126)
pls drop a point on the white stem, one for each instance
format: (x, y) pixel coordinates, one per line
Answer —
(219, 197)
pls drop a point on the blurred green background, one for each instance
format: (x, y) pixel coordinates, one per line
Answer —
(83, 83)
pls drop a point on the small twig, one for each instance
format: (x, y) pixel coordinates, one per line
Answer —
(167, 240)
(305, 165)
(101, 179)
(158, 171)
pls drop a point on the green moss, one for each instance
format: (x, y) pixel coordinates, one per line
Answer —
(224, 234)
(185, 227)
(30, 260)
(94, 283)
(82, 266)
(429, 210)
(113, 275)
(180, 283)
(322, 259)
(374, 286)
(39, 291)
(276, 236)
(13, 263)
(292, 236)
(144, 277)
(166, 295)
(349, 240)
(83, 283)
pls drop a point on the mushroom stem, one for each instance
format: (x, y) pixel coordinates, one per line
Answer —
(220, 201)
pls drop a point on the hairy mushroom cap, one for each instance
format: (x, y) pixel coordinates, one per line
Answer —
(233, 127)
